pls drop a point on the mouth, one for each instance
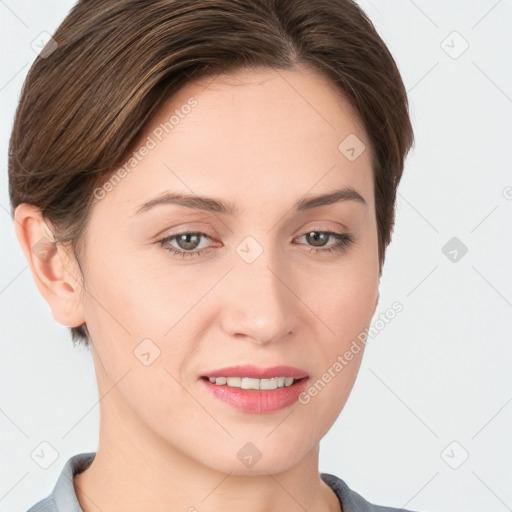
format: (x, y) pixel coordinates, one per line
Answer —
(253, 383)
(255, 389)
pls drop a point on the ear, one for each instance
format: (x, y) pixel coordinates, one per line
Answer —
(55, 271)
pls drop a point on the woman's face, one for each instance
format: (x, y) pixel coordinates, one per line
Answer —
(266, 286)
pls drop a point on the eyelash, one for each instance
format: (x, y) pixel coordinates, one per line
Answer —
(344, 240)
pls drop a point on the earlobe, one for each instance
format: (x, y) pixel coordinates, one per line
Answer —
(54, 271)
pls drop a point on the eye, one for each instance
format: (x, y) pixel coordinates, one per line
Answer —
(187, 243)
(319, 238)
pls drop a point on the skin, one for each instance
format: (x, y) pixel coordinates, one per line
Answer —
(261, 140)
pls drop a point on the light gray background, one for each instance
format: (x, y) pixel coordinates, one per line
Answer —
(439, 373)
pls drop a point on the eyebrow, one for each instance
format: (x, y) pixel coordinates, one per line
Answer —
(211, 204)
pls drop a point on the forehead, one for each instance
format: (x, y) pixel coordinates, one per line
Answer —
(273, 134)
(263, 102)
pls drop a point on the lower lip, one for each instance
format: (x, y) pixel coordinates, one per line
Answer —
(258, 401)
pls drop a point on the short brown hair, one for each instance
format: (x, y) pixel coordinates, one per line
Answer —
(117, 61)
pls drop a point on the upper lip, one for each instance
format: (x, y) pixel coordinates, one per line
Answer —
(257, 372)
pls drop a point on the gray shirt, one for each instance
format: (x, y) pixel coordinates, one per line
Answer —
(63, 497)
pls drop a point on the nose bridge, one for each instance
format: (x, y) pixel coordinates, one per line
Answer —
(259, 303)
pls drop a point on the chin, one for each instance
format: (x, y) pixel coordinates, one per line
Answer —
(258, 458)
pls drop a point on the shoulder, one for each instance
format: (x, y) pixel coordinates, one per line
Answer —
(352, 501)
(63, 497)
(45, 505)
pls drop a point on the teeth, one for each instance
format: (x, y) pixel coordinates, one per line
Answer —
(234, 382)
(266, 383)
(250, 383)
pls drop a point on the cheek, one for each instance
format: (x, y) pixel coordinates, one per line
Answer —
(135, 298)
(344, 294)
(141, 314)
(344, 300)
(345, 305)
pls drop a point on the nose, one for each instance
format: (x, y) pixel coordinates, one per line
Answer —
(258, 303)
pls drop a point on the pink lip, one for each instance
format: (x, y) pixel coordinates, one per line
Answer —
(257, 400)
(256, 372)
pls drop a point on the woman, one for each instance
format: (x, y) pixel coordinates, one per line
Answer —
(205, 190)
